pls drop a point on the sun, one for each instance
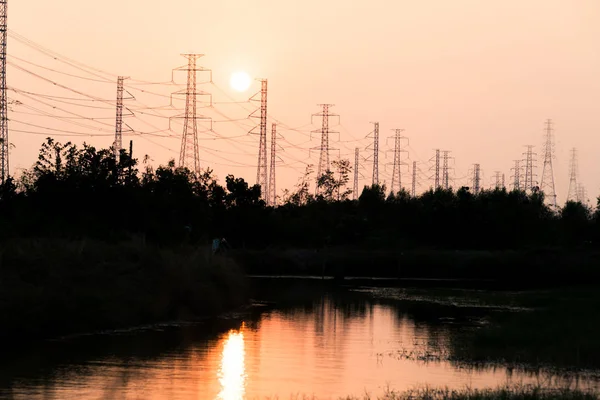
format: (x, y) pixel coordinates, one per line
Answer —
(240, 81)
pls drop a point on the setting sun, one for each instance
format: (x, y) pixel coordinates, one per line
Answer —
(240, 81)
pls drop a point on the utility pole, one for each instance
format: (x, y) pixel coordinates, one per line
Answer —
(355, 191)
(324, 148)
(272, 198)
(529, 167)
(413, 192)
(375, 148)
(476, 178)
(573, 194)
(397, 173)
(261, 171)
(189, 156)
(547, 185)
(517, 175)
(4, 144)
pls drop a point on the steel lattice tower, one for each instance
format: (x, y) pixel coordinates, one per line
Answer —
(445, 173)
(498, 180)
(413, 191)
(581, 194)
(476, 178)
(437, 169)
(4, 143)
(517, 175)
(355, 191)
(272, 198)
(261, 172)
(573, 194)
(503, 182)
(375, 180)
(547, 184)
(397, 165)
(189, 157)
(323, 167)
(529, 168)
(118, 144)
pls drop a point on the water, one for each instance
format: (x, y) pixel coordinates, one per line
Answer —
(325, 346)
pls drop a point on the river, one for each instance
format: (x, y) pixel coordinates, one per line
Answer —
(323, 344)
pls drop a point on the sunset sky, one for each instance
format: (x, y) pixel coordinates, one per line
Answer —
(475, 77)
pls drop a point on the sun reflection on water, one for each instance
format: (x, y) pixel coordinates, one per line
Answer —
(232, 373)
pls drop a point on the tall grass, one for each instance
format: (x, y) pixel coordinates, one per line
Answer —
(51, 287)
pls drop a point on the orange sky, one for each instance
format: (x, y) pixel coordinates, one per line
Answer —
(477, 78)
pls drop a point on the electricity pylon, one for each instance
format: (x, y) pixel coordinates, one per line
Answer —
(397, 164)
(413, 191)
(436, 185)
(547, 184)
(375, 148)
(573, 194)
(4, 144)
(323, 167)
(272, 198)
(530, 182)
(517, 175)
(261, 170)
(445, 170)
(476, 178)
(189, 156)
(355, 191)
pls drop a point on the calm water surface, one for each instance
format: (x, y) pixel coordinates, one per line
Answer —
(326, 347)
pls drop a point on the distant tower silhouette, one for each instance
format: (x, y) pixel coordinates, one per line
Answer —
(498, 180)
(397, 173)
(375, 149)
(581, 194)
(189, 156)
(118, 144)
(547, 184)
(413, 192)
(324, 131)
(445, 171)
(517, 175)
(436, 185)
(530, 182)
(476, 178)
(503, 182)
(573, 194)
(4, 143)
(356, 155)
(272, 198)
(261, 170)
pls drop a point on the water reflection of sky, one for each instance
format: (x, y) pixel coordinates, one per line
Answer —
(329, 349)
(232, 373)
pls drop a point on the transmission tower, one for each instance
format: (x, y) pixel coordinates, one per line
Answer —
(4, 144)
(517, 175)
(397, 173)
(573, 194)
(498, 180)
(445, 171)
(355, 191)
(503, 182)
(581, 194)
(413, 192)
(476, 178)
(189, 157)
(324, 148)
(547, 184)
(529, 167)
(272, 198)
(118, 144)
(437, 170)
(375, 149)
(261, 171)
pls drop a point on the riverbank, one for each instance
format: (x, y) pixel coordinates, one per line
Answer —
(52, 287)
(535, 267)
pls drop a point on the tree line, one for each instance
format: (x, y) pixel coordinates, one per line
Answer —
(77, 192)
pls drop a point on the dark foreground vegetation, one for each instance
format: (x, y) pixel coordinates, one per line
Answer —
(51, 287)
(508, 393)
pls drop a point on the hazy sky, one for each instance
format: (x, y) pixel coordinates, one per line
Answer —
(475, 77)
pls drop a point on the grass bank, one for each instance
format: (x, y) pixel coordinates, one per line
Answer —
(508, 393)
(51, 287)
(523, 267)
(560, 331)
